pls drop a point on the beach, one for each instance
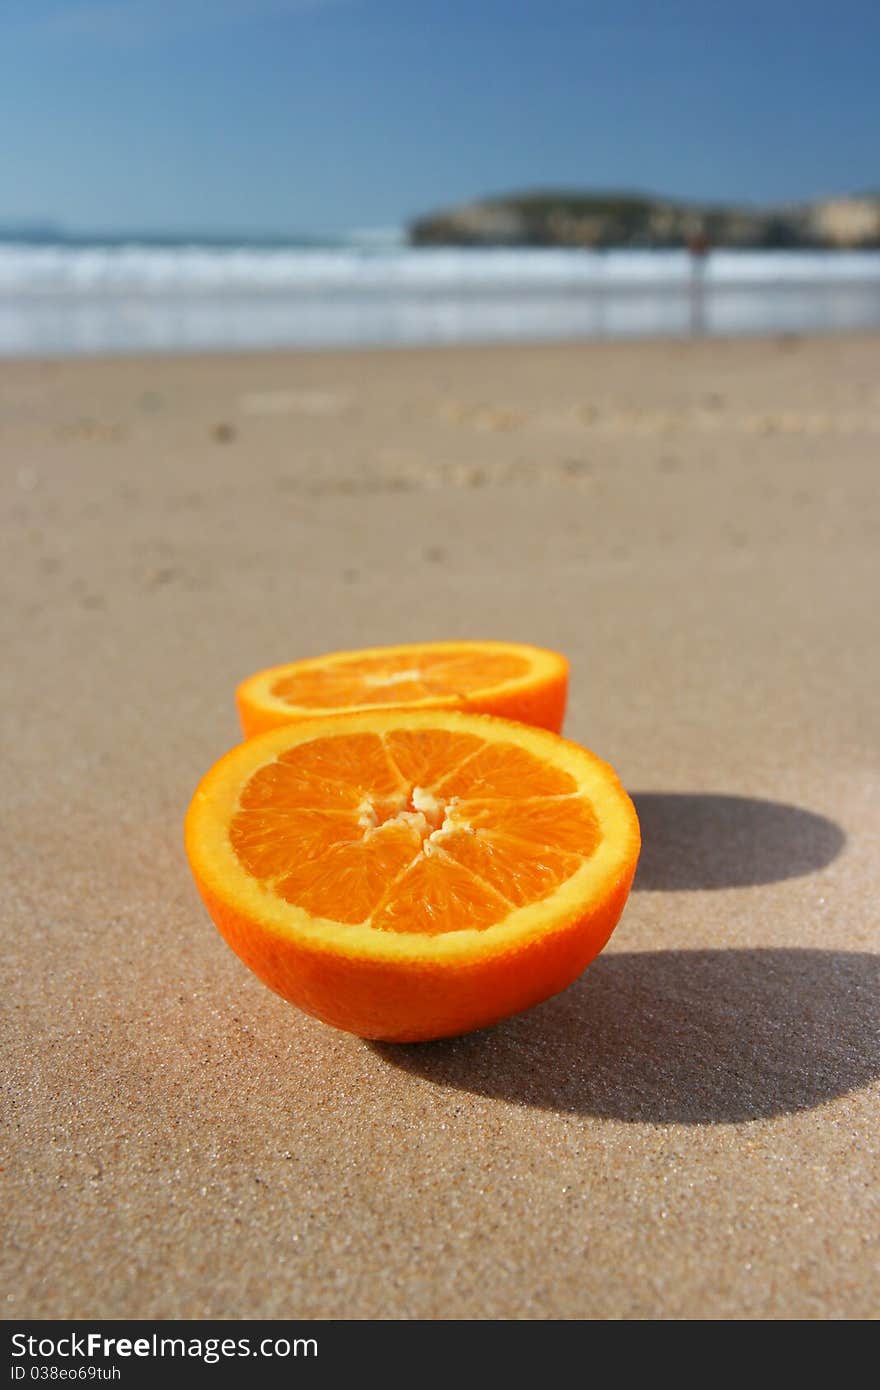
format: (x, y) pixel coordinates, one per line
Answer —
(688, 1132)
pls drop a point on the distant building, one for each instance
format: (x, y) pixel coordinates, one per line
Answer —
(847, 221)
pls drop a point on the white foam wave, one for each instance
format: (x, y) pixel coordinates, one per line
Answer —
(198, 269)
(99, 299)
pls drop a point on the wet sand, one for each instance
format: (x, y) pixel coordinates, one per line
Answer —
(690, 1131)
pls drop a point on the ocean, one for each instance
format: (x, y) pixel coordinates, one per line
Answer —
(66, 299)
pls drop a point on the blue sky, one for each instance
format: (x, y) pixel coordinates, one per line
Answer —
(311, 115)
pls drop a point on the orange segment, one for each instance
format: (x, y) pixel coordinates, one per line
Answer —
(500, 770)
(469, 669)
(510, 679)
(349, 879)
(281, 787)
(359, 762)
(435, 895)
(398, 675)
(518, 871)
(565, 823)
(273, 841)
(340, 861)
(424, 756)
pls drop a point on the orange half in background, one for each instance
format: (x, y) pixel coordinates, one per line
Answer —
(409, 875)
(509, 679)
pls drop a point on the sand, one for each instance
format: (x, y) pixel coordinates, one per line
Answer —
(691, 1130)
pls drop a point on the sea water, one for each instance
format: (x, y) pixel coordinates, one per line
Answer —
(125, 296)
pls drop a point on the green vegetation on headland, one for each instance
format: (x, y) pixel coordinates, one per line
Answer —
(632, 219)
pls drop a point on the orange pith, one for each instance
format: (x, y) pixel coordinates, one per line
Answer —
(513, 680)
(414, 874)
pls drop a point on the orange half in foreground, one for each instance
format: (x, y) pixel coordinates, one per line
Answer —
(413, 875)
(509, 679)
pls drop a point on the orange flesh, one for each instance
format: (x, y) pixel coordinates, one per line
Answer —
(401, 679)
(417, 830)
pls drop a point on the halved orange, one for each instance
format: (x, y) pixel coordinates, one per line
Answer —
(415, 874)
(510, 679)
